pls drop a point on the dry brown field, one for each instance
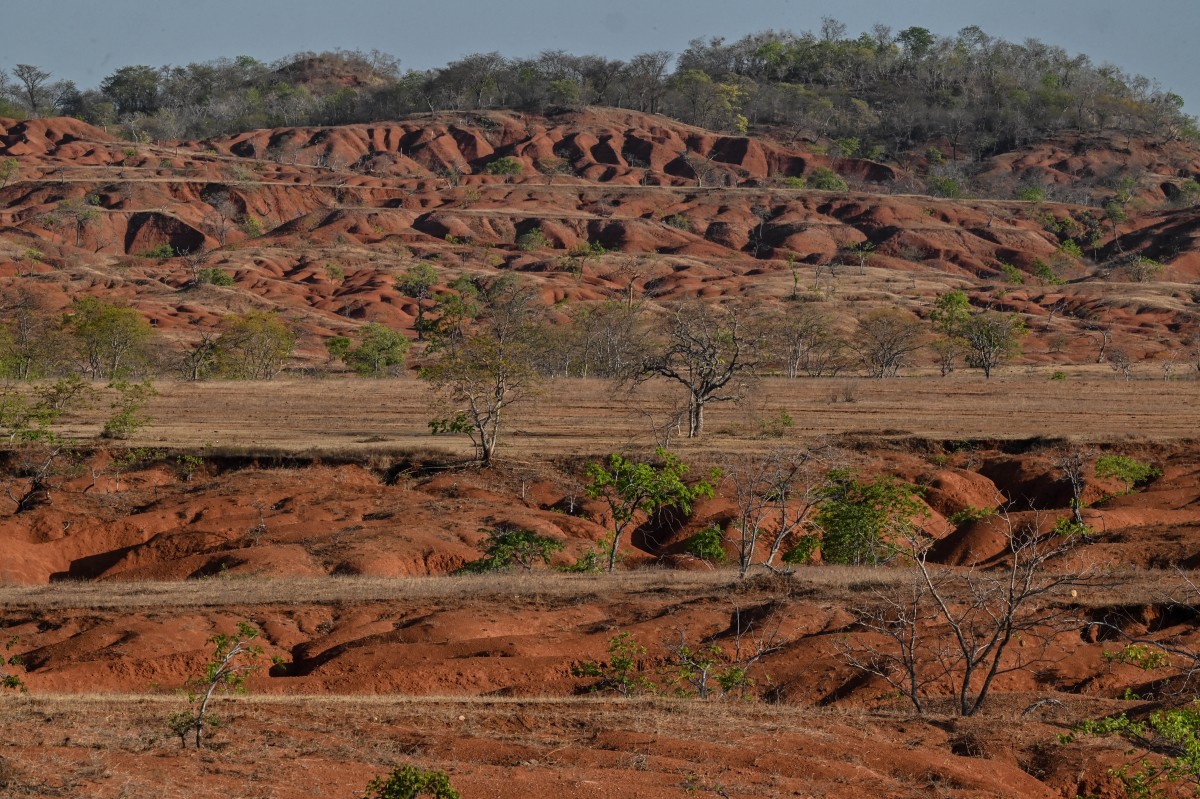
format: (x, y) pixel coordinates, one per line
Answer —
(593, 417)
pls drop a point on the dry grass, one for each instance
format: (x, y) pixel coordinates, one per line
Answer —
(840, 584)
(361, 417)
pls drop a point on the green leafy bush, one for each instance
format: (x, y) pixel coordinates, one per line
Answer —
(859, 522)
(214, 276)
(624, 671)
(409, 782)
(1128, 470)
(162, 252)
(505, 548)
(507, 166)
(826, 179)
(1011, 273)
(969, 514)
(532, 239)
(707, 545)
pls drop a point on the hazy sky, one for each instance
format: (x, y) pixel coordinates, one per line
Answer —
(85, 40)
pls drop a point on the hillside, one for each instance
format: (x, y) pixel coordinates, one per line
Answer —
(315, 223)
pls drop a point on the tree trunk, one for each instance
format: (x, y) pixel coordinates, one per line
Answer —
(695, 417)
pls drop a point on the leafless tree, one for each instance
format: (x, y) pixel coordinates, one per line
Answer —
(708, 351)
(1072, 466)
(953, 630)
(773, 496)
(886, 341)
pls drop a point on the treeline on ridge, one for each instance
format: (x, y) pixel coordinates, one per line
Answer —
(879, 94)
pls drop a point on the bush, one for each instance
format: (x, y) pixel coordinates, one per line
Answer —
(940, 186)
(678, 221)
(1130, 471)
(1011, 273)
(969, 514)
(793, 182)
(859, 522)
(128, 409)
(707, 545)
(506, 166)
(826, 179)
(215, 276)
(505, 548)
(532, 239)
(623, 673)
(162, 252)
(407, 782)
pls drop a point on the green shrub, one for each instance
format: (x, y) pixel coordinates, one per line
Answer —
(707, 545)
(162, 252)
(969, 514)
(826, 179)
(1011, 273)
(860, 521)
(214, 275)
(409, 782)
(1128, 470)
(1059, 375)
(793, 182)
(1069, 528)
(504, 548)
(506, 166)
(623, 671)
(251, 226)
(1032, 194)
(532, 239)
(128, 409)
(941, 186)
(678, 221)
(587, 249)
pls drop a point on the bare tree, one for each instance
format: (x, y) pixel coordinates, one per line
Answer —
(886, 340)
(952, 630)
(706, 350)
(1072, 465)
(773, 497)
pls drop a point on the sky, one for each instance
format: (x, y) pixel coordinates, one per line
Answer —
(85, 40)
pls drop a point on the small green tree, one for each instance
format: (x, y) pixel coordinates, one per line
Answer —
(631, 488)
(950, 312)
(532, 239)
(231, 662)
(859, 522)
(110, 339)
(707, 545)
(417, 284)
(1172, 735)
(254, 346)
(10, 679)
(337, 347)
(826, 179)
(623, 673)
(9, 169)
(129, 409)
(379, 349)
(506, 547)
(991, 338)
(409, 782)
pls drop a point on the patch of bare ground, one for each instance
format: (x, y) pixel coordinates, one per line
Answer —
(117, 746)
